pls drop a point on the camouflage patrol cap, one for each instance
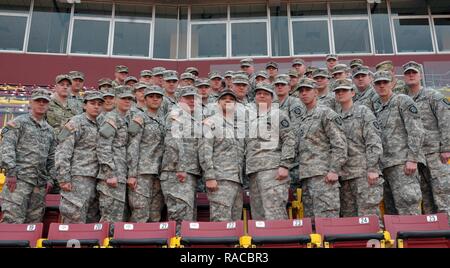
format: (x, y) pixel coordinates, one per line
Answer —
(247, 62)
(153, 90)
(188, 91)
(339, 68)
(130, 78)
(62, 77)
(170, 75)
(228, 74)
(121, 69)
(264, 86)
(158, 71)
(305, 82)
(281, 79)
(382, 76)
(271, 64)
(146, 73)
(385, 66)
(202, 82)
(187, 76)
(123, 92)
(40, 93)
(192, 70)
(139, 86)
(320, 73)
(412, 65)
(76, 75)
(108, 92)
(104, 81)
(227, 92)
(240, 79)
(361, 70)
(240, 73)
(310, 69)
(293, 72)
(342, 84)
(356, 62)
(262, 74)
(213, 75)
(298, 61)
(92, 95)
(332, 57)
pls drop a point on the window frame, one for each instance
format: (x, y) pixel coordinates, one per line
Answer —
(24, 14)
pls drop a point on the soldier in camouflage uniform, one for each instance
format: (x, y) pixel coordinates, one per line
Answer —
(247, 66)
(29, 159)
(364, 92)
(434, 111)
(299, 66)
(228, 78)
(326, 97)
(77, 79)
(240, 88)
(77, 164)
(144, 154)
(119, 76)
(193, 71)
(331, 61)
(288, 104)
(270, 153)
(272, 70)
(309, 72)
(170, 87)
(104, 84)
(361, 186)
(293, 81)
(221, 154)
(340, 71)
(215, 81)
(356, 63)
(158, 76)
(146, 77)
(322, 151)
(402, 136)
(399, 85)
(130, 81)
(112, 157)
(138, 106)
(187, 79)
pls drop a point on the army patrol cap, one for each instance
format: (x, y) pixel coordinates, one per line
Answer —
(298, 61)
(158, 71)
(227, 92)
(281, 79)
(40, 93)
(108, 92)
(412, 65)
(188, 91)
(187, 76)
(139, 86)
(123, 92)
(130, 78)
(213, 75)
(356, 62)
(382, 76)
(240, 79)
(305, 82)
(121, 69)
(262, 74)
(310, 69)
(320, 73)
(146, 73)
(271, 64)
(92, 95)
(170, 75)
(342, 84)
(62, 77)
(192, 70)
(331, 57)
(153, 90)
(104, 81)
(293, 72)
(385, 66)
(339, 68)
(228, 74)
(76, 75)
(247, 62)
(202, 82)
(361, 70)
(264, 86)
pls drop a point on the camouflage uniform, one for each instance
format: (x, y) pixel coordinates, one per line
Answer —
(58, 114)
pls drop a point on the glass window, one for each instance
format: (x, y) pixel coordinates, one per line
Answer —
(131, 39)
(249, 39)
(209, 40)
(90, 37)
(9, 6)
(443, 33)
(49, 27)
(409, 7)
(253, 11)
(217, 12)
(182, 32)
(165, 36)
(12, 32)
(351, 36)
(279, 30)
(93, 9)
(413, 35)
(381, 29)
(133, 12)
(309, 9)
(310, 37)
(349, 8)
(439, 7)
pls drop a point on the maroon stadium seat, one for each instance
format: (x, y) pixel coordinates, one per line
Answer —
(211, 234)
(202, 206)
(152, 234)
(351, 232)
(20, 235)
(52, 214)
(89, 235)
(419, 231)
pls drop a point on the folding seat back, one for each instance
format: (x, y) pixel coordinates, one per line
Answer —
(151, 234)
(282, 233)
(202, 207)
(421, 231)
(211, 234)
(20, 235)
(52, 214)
(350, 232)
(88, 235)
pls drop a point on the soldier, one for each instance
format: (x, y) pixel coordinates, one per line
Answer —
(29, 159)
(158, 76)
(299, 65)
(288, 104)
(222, 160)
(203, 89)
(240, 88)
(322, 150)
(340, 71)
(293, 81)
(399, 85)
(260, 77)
(356, 63)
(77, 79)
(215, 81)
(434, 110)
(402, 137)
(112, 157)
(104, 84)
(228, 79)
(109, 103)
(187, 79)
(180, 168)
(326, 97)
(139, 105)
(365, 93)
(272, 70)
(309, 72)
(361, 186)
(269, 155)
(170, 87)
(331, 61)
(120, 75)
(146, 77)
(144, 154)
(247, 66)
(77, 164)
(130, 81)
(193, 71)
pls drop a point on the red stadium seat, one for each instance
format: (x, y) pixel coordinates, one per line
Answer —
(89, 235)
(352, 232)
(202, 207)
(152, 234)
(211, 234)
(419, 231)
(282, 233)
(52, 214)
(20, 235)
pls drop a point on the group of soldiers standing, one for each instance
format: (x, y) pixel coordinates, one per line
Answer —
(348, 137)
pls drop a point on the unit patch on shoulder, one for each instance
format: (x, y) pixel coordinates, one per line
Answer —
(285, 123)
(413, 109)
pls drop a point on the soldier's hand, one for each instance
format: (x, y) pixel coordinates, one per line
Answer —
(445, 157)
(211, 185)
(282, 173)
(66, 186)
(331, 177)
(410, 168)
(132, 183)
(181, 176)
(112, 182)
(11, 183)
(372, 177)
(48, 187)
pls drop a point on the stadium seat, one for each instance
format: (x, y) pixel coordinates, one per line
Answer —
(88, 235)
(20, 235)
(419, 231)
(283, 233)
(211, 234)
(52, 214)
(351, 232)
(202, 206)
(152, 234)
